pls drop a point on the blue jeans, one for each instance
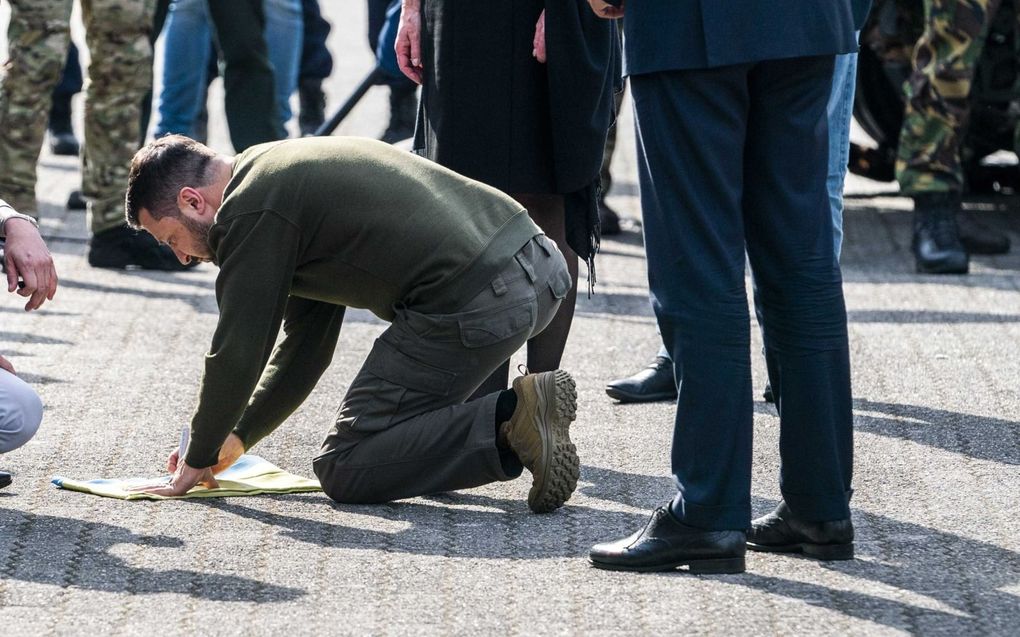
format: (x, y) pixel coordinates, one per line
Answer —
(186, 51)
(840, 111)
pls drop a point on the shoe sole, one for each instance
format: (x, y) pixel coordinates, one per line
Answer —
(943, 269)
(824, 552)
(717, 566)
(985, 250)
(625, 397)
(557, 408)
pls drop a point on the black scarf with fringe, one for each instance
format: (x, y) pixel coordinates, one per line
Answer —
(584, 70)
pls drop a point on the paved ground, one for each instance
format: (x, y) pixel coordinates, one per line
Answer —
(117, 357)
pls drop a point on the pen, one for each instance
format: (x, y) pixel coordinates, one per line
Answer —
(185, 433)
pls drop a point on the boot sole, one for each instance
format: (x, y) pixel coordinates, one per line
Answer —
(557, 407)
(943, 268)
(924, 270)
(717, 566)
(824, 552)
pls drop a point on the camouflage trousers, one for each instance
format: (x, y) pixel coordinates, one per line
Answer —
(120, 75)
(937, 109)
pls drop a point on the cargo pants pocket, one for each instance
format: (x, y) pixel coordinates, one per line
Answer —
(391, 387)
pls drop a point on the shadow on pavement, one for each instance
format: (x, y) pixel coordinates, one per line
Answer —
(202, 303)
(44, 311)
(35, 339)
(906, 317)
(947, 430)
(937, 581)
(450, 525)
(72, 553)
(978, 437)
(39, 379)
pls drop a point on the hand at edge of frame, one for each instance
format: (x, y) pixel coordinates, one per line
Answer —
(606, 10)
(408, 44)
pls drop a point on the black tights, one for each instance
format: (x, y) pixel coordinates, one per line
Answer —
(546, 349)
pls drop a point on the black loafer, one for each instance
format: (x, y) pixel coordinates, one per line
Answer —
(782, 532)
(655, 382)
(5, 479)
(665, 544)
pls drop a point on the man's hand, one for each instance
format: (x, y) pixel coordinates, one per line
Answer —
(26, 256)
(538, 44)
(182, 480)
(231, 450)
(605, 10)
(408, 44)
(6, 364)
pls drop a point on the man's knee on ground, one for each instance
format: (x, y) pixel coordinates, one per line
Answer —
(20, 415)
(342, 484)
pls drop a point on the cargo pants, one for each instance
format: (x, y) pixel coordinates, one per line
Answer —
(403, 429)
(937, 95)
(120, 75)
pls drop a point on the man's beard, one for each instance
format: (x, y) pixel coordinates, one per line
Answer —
(199, 231)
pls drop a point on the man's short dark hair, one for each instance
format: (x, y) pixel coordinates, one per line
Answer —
(160, 170)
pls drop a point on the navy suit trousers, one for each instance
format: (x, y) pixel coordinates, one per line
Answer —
(732, 164)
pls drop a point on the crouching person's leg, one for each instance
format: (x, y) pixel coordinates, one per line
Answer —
(404, 429)
(20, 415)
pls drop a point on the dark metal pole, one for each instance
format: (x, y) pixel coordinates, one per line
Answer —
(370, 80)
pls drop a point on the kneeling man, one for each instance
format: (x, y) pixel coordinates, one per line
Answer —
(302, 229)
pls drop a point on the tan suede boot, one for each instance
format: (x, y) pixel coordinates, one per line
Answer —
(539, 433)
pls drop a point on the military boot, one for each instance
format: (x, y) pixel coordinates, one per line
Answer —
(936, 244)
(123, 248)
(61, 133)
(539, 433)
(978, 238)
(312, 102)
(403, 114)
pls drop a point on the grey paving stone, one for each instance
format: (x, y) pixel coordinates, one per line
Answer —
(117, 356)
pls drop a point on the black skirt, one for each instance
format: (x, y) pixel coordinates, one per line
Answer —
(485, 99)
(489, 110)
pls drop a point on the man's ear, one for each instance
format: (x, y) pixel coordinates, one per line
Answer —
(188, 197)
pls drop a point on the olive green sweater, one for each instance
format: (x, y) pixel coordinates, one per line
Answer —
(311, 226)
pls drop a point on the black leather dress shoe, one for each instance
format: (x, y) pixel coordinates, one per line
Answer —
(5, 479)
(665, 543)
(652, 383)
(782, 532)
